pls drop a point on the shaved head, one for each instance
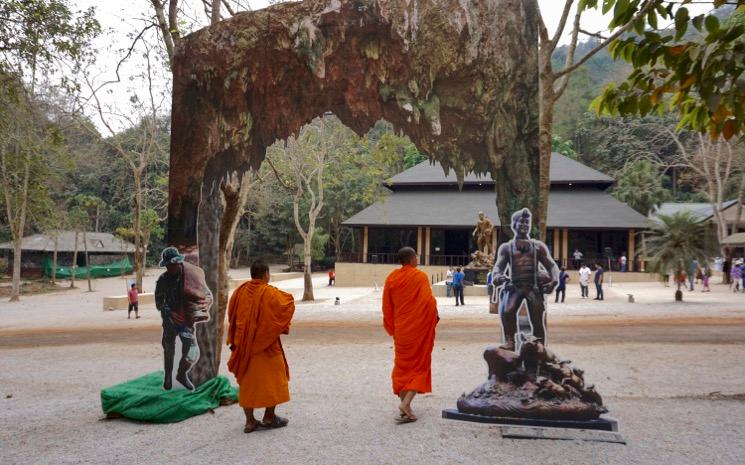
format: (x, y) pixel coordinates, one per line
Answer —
(259, 270)
(406, 255)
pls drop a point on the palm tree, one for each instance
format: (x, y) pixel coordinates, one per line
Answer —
(640, 186)
(674, 241)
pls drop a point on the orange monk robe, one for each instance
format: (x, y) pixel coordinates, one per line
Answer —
(410, 316)
(257, 314)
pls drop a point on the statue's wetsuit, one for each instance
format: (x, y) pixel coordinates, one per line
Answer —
(522, 257)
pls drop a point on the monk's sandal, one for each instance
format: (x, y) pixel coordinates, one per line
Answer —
(277, 422)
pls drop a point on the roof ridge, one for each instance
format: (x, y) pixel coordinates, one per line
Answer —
(564, 170)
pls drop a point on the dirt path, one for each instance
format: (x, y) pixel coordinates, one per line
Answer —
(584, 330)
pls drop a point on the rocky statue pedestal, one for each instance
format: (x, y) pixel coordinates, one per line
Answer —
(533, 388)
(480, 266)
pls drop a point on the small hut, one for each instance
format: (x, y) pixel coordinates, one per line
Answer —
(108, 255)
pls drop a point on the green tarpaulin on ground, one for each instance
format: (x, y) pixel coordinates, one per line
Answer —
(117, 268)
(144, 399)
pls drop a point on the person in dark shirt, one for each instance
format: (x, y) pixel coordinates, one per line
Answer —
(562, 287)
(599, 275)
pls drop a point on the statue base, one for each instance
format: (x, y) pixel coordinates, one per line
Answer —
(602, 423)
(476, 275)
(480, 259)
(533, 387)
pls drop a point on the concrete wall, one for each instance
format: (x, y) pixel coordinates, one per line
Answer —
(273, 278)
(368, 274)
(120, 302)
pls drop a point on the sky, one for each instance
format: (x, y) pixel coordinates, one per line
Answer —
(120, 19)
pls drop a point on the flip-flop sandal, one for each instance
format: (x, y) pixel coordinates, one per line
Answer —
(277, 422)
(247, 429)
(403, 418)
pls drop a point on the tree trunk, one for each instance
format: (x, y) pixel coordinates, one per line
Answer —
(54, 258)
(139, 255)
(729, 253)
(74, 262)
(307, 274)
(337, 241)
(124, 255)
(18, 229)
(16, 286)
(87, 263)
(545, 146)
(222, 199)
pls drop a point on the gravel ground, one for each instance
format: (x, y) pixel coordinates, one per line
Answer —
(342, 409)
(679, 398)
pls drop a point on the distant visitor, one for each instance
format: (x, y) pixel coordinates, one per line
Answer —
(133, 299)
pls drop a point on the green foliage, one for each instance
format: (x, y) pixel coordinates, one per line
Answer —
(29, 142)
(674, 241)
(700, 76)
(36, 35)
(585, 84)
(640, 186)
(353, 181)
(318, 244)
(563, 147)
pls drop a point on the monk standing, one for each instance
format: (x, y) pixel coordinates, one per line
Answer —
(410, 316)
(258, 314)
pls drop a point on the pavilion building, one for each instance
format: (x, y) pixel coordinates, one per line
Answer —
(427, 211)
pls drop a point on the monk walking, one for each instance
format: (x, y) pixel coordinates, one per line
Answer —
(258, 314)
(410, 316)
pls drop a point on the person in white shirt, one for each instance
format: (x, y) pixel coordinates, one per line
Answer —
(577, 258)
(584, 280)
(449, 281)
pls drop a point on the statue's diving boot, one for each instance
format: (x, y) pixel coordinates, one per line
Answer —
(509, 343)
(182, 377)
(167, 376)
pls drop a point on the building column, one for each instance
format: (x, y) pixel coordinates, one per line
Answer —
(419, 241)
(364, 244)
(632, 250)
(565, 247)
(556, 252)
(427, 244)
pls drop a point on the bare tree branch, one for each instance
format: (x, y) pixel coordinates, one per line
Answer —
(630, 24)
(562, 24)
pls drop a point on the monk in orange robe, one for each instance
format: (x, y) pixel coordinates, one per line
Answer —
(257, 315)
(410, 316)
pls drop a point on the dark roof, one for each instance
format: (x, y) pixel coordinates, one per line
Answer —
(563, 170)
(734, 239)
(591, 208)
(703, 211)
(585, 208)
(428, 208)
(98, 242)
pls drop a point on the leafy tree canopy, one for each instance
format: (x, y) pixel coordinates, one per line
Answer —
(640, 186)
(700, 75)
